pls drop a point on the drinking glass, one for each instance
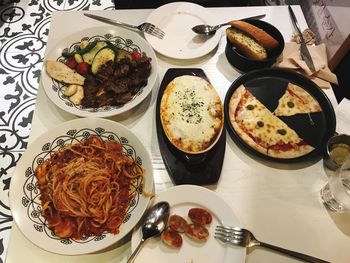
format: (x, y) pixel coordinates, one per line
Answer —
(336, 193)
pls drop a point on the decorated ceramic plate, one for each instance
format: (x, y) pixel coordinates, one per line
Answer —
(176, 20)
(181, 199)
(118, 38)
(25, 196)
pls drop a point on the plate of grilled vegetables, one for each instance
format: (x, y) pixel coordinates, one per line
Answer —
(99, 72)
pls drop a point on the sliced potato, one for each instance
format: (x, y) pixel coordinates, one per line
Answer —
(104, 55)
(70, 90)
(62, 73)
(78, 96)
(89, 56)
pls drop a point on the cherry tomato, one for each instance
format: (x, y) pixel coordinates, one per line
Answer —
(136, 54)
(71, 63)
(83, 68)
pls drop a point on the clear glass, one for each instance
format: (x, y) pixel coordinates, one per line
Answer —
(336, 193)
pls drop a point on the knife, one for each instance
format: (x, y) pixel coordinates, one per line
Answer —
(304, 52)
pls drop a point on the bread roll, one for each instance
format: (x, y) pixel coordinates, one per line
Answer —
(247, 45)
(263, 38)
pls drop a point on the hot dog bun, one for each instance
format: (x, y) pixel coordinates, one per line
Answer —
(262, 37)
(247, 45)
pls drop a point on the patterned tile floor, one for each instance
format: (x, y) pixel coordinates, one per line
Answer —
(24, 28)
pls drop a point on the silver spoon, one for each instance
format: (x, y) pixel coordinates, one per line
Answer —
(209, 30)
(154, 224)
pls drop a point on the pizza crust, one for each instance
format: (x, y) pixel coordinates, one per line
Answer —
(233, 104)
(261, 138)
(292, 153)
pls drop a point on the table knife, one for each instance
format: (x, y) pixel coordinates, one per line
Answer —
(304, 52)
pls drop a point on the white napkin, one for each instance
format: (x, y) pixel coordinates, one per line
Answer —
(343, 118)
(291, 59)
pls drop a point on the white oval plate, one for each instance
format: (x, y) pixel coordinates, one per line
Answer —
(25, 195)
(180, 42)
(127, 40)
(181, 199)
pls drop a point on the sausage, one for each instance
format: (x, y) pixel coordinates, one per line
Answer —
(171, 238)
(200, 216)
(177, 223)
(197, 232)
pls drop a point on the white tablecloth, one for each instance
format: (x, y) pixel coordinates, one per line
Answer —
(279, 203)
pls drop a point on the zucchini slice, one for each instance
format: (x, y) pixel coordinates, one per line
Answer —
(102, 56)
(122, 54)
(83, 49)
(88, 57)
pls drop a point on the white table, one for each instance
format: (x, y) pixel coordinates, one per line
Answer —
(279, 203)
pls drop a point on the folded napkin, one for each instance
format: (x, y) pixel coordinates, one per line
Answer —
(291, 59)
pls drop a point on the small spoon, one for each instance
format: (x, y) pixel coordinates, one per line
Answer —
(154, 224)
(209, 30)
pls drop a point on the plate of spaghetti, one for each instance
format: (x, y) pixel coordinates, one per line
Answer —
(81, 187)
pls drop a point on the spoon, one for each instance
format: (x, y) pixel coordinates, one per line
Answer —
(209, 30)
(153, 225)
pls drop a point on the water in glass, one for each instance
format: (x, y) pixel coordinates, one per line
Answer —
(336, 193)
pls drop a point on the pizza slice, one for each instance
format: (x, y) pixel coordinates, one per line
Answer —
(261, 129)
(296, 100)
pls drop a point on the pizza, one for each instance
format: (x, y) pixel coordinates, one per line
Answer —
(296, 100)
(257, 126)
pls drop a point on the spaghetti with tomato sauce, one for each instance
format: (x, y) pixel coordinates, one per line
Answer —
(86, 188)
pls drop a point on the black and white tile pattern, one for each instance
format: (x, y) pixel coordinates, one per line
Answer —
(24, 28)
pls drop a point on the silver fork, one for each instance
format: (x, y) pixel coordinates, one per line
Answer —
(144, 27)
(244, 238)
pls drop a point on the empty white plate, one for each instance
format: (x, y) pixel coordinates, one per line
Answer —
(180, 42)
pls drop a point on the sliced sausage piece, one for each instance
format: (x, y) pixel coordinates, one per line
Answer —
(200, 216)
(177, 223)
(171, 238)
(197, 232)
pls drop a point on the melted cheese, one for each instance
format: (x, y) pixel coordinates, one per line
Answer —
(296, 100)
(262, 124)
(191, 113)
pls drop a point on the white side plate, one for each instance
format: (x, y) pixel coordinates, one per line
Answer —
(180, 42)
(181, 199)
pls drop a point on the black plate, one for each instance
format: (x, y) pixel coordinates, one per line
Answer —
(245, 64)
(268, 85)
(202, 169)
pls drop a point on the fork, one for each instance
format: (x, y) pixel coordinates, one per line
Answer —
(144, 27)
(244, 238)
